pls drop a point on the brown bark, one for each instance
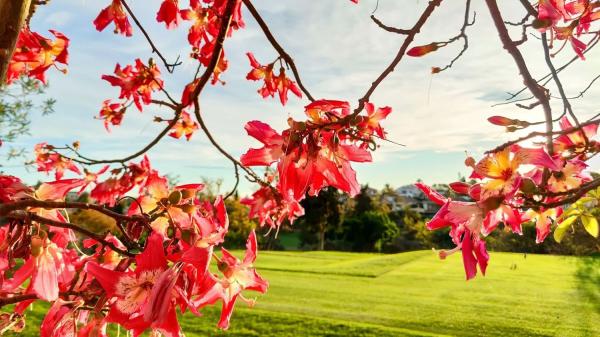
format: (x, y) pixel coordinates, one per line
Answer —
(13, 14)
(322, 230)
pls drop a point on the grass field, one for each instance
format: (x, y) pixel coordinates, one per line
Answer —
(412, 294)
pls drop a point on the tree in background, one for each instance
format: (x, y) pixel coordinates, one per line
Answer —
(17, 103)
(322, 214)
(364, 202)
(368, 227)
(369, 231)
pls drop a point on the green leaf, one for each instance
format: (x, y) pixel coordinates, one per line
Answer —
(560, 231)
(590, 224)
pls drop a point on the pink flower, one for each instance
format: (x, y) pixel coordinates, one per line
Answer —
(143, 298)
(114, 13)
(237, 276)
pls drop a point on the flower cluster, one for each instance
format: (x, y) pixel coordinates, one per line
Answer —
(205, 17)
(175, 232)
(34, 54)
(272, 83)
(311, 155)
(184, 126)
(49, 161)
(136, 82)
(515, 185)
(567, 21)
(114, 13)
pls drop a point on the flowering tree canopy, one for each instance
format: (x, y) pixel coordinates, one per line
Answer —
(158, 262)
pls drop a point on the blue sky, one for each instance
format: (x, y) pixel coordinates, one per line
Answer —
(339, 52)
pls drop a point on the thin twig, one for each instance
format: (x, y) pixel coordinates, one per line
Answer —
(389, 28)
(170, 66)
(390, 68)
(538, 92)
(90, 161)
(461, 35)
(543, 134)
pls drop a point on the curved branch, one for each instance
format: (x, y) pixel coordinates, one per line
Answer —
(284, 55)
(461, 35)
(68, 225)
(28, 297)
(90, 161)
(217, 50)
(24, 204)
(389, 28)
(561, 90)
(547, 77)
(578, 193)
(237, 181)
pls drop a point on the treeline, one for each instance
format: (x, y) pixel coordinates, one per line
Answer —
(367, 223)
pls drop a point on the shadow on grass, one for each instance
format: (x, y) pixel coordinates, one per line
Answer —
(588, 277)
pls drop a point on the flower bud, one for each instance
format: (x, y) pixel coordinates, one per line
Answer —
(470, 161)
(502, 121)
(186, 235)
(423, 50)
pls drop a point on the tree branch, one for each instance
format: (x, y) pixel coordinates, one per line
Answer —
(24, 204)
(90, 161)
(390, 68)
(67, 225)
(13, 14)
(538, 91)
(389, 28)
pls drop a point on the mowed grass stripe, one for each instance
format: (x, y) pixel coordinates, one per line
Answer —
(348, 264)
(539, 298)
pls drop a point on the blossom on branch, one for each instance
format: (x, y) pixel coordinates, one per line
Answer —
(114, 13)
(136, 82)
(311, 155)
(169, 13)
(34, 54)
(272, 83)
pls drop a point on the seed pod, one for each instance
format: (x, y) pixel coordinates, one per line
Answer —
(37, 245)
(189, 209)
(188, 193)
(186, 235)
(528, 186)
(175, 197)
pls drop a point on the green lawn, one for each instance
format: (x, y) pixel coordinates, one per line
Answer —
(413, 294)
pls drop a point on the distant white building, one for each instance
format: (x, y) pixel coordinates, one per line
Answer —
(409, 191)
(412, 197)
